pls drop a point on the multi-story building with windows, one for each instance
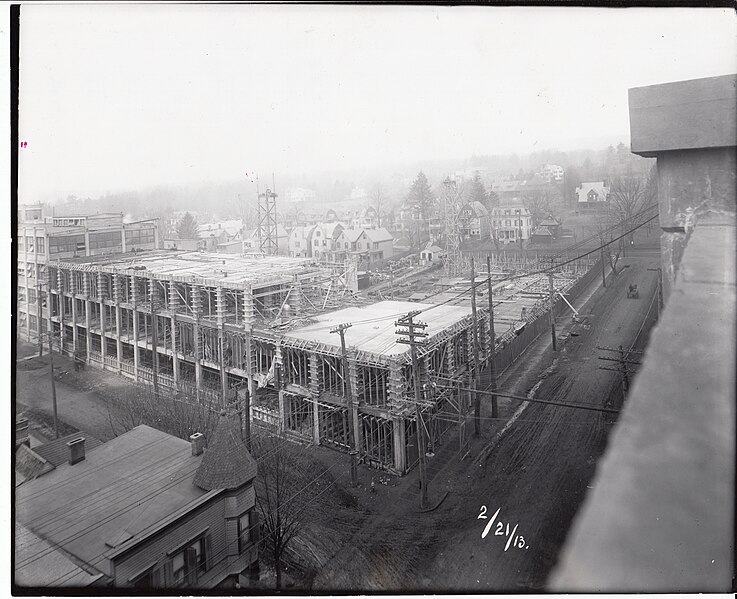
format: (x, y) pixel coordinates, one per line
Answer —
(44, 240)
(511, 221)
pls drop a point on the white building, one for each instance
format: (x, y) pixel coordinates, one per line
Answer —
(295, 195)
(592, 195)
(551, 173)
(511, 221)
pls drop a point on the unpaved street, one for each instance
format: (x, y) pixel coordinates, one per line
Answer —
(536, 476)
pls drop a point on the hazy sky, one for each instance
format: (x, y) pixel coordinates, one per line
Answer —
(122, 97)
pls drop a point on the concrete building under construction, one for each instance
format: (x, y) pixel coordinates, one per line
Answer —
(221, 328)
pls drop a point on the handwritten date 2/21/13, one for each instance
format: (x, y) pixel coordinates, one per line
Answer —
(513, 539)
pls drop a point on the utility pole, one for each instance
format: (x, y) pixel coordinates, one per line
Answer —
(659, 283)
(340, 329)
(476, 397)
(603, 268)
(552, 314)
(492, 368)
(391, 279)
(623, 360)
(53, 386)
(414, 335)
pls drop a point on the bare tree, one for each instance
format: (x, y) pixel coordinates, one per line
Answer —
(628, 194)
(378, 197)
(285, 491)
(538, 203)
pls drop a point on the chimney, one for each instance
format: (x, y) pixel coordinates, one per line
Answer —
(198, 443)
(76, 450)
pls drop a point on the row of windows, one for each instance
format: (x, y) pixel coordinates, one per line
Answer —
(39, 244)
(69, 243)
(110, 239)
(140, 236)
(508, 223)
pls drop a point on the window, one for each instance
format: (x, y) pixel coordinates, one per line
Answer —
(29, 243)
(68, 243)
(40, 245)
(317, 233)
(376, 245)
(324, 242)
(244, 531)
(135, 237)
(296, 244)
(317, 242)
(31, 296)
(145, 580)
(188, 561)
(105, 240)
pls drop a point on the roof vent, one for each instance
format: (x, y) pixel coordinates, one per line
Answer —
(198, 443)
(76, 450)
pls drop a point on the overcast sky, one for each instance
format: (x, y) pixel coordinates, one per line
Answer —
(124, 97)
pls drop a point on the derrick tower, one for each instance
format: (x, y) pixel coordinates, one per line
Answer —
(451, 213)
(267, 231)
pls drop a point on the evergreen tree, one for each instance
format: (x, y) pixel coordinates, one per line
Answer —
(421, 196)
(422, 201)
(187, 227)
(476, 190)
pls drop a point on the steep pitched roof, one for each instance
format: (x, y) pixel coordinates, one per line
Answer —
(352, 235)
(377, 235)
(227, 463)
(602, 191)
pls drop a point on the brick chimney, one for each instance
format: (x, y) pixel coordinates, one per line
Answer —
(198, 443)
(76, 450)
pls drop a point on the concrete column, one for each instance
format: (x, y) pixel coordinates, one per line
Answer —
(122, 240)
(395, 386)
(136, 349)
(87, 306)
(399, 443)
(118, 317)
(61, 293)
(174, 350)
(87, 251)
(314, 381)
(196, 311)
(315, 422)
(282, 418)
(353, 381)
(49, 323)
(220, 314)
(100, 296)
(249, 365)
(73, 289)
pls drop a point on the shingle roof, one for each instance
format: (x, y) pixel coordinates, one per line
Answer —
(56, 452)
(227, 463)
(352, 235)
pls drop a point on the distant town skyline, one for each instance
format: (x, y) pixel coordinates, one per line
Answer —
(130, 96)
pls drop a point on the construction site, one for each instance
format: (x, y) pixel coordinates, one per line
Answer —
(262, 331)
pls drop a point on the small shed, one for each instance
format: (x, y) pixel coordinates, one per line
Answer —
(431, 253)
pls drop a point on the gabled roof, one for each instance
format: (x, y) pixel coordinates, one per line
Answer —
(352, 235)
(477, 208)
(227, 463)
(430, 247)
(587, 186)
(331, 229)
(377, 235)
(549, 222)
(542, 231)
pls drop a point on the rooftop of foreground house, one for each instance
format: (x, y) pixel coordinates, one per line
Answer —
(117, 493)
(373, 327)
(195, 267)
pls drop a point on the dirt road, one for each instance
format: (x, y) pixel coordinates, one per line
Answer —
(536, 476)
